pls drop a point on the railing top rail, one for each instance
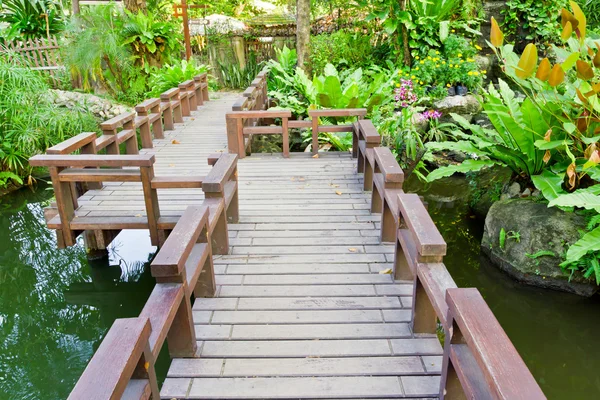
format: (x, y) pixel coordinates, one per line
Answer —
(146, 105)
(368, 131)
(344, 112)
(386, 161)
(72, 144)
(502, 366)
(117, 121)
(93, 160)
(259, 114)
(169, 94)
(428, 239)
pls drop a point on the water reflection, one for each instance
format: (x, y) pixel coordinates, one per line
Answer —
(554, 332)
(54, 307)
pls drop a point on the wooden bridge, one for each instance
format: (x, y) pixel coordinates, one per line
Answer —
(281, 276)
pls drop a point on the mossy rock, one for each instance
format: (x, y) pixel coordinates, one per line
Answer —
(540, 229)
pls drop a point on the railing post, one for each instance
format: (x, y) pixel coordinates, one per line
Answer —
(206, 286)
(65, 204)
(286, 140)
(424, 315)
(131, 144)
(181, 338)
(168, 116)
(315, 135)
(145, 134)
(157, 127)
(234, 127)
(177, 112)
(151, 201)
(450, 386)
(185, 100)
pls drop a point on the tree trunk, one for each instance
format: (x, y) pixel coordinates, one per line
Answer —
(407, 57)
(75, 4)
(302, 30)
(135, 6)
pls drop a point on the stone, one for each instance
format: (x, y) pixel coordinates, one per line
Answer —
(99, 107)
(420, 124)
(483, 120)
(539, 229)
(526, 193)
(487, 187)
(514, 190)
(462, 105)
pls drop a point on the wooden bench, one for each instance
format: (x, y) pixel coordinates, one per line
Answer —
(360, 113)
(386, 184)
(480, 362)
(123, 365)
(151, 108)
(123, 128)
(238, 129)
(187, 96)
(170, 106)
(201, 88)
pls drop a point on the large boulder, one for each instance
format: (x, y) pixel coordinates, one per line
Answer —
(540, 229)
(101, 108)
(462, 105)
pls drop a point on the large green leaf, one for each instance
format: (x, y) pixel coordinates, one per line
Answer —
(465, 166)
(549, 184)
(589, 242)
(462, 145)
(587, 198)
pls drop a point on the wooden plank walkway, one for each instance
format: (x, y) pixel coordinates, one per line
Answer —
(302, 310)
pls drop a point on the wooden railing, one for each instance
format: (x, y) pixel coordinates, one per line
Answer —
(251, 116)
(123, 365)
(74, 169)
(479, 361)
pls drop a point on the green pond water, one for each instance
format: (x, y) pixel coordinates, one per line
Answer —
(55, 306)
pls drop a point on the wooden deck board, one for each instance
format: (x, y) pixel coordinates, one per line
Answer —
(302, 310)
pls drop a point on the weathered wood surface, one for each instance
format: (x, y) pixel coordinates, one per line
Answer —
(302, 310)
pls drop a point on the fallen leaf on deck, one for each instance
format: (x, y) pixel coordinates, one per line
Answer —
(171, 165)
(315, 156)
(386, 271)
(338, 193)
(301, 179)
(175, 141)
(138, 215)
(352, 250)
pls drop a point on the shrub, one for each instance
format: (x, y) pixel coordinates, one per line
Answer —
(342, 49)
(169, 76)
(33, 18)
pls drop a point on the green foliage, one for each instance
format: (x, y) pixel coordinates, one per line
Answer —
(33, 18)
(342, 49)
(169, 76)
(235, 77)
(153, 42)
(533, 19)
(29, 122)
(591, 8)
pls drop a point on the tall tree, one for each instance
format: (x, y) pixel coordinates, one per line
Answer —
(302, 30)
(75, 7)
(135, 6)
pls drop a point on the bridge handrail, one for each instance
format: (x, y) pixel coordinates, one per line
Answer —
(479, 359)
(183, 264)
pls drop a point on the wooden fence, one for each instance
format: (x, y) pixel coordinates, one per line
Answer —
(40, 54)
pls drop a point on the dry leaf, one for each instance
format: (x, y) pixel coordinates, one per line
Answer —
(301, 179)
(581, 21)
(352, 250)
(386, 271)
(315, 156)
(547, 156)
(175, 141)
(566, 16)
(572, 174)
(548, 135)
(338, 192)
(138, 215)
(171, 165)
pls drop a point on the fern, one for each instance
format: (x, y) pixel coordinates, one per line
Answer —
(590, 242)
(593, 222)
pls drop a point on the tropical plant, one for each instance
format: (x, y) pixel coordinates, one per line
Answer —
(94, 51)
(533, 20)
(568, 93)
(29, 121)
(33, 18)
(343, 49)
(153, 42)
(234, 76)
(170, 76)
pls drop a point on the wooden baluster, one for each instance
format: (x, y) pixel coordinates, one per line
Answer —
(65, 204)
(315, 135)
(157, 127)
(151, 201)
(286, 140)
(131, 144)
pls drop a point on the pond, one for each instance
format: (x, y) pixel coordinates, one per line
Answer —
(55, 306)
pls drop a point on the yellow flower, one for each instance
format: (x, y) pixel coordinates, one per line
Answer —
(476, 73)
(397, 85)
(443, 62)
(399, 73)
(421, 82)
(478, 47)
(416, 57)
(484, 72)
(413, 77)
(449, 85)
(429, 57)
(459, 55)
(470, 60)
(470, 73)
(451, 65)
(453, 30)
(437, 65)
(437, 52)
(456, 66)
(421, 62)
(416, 69)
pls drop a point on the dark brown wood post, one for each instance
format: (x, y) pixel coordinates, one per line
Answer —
(286, 139)
(64, 203)
(315, 135)
(151, 201)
